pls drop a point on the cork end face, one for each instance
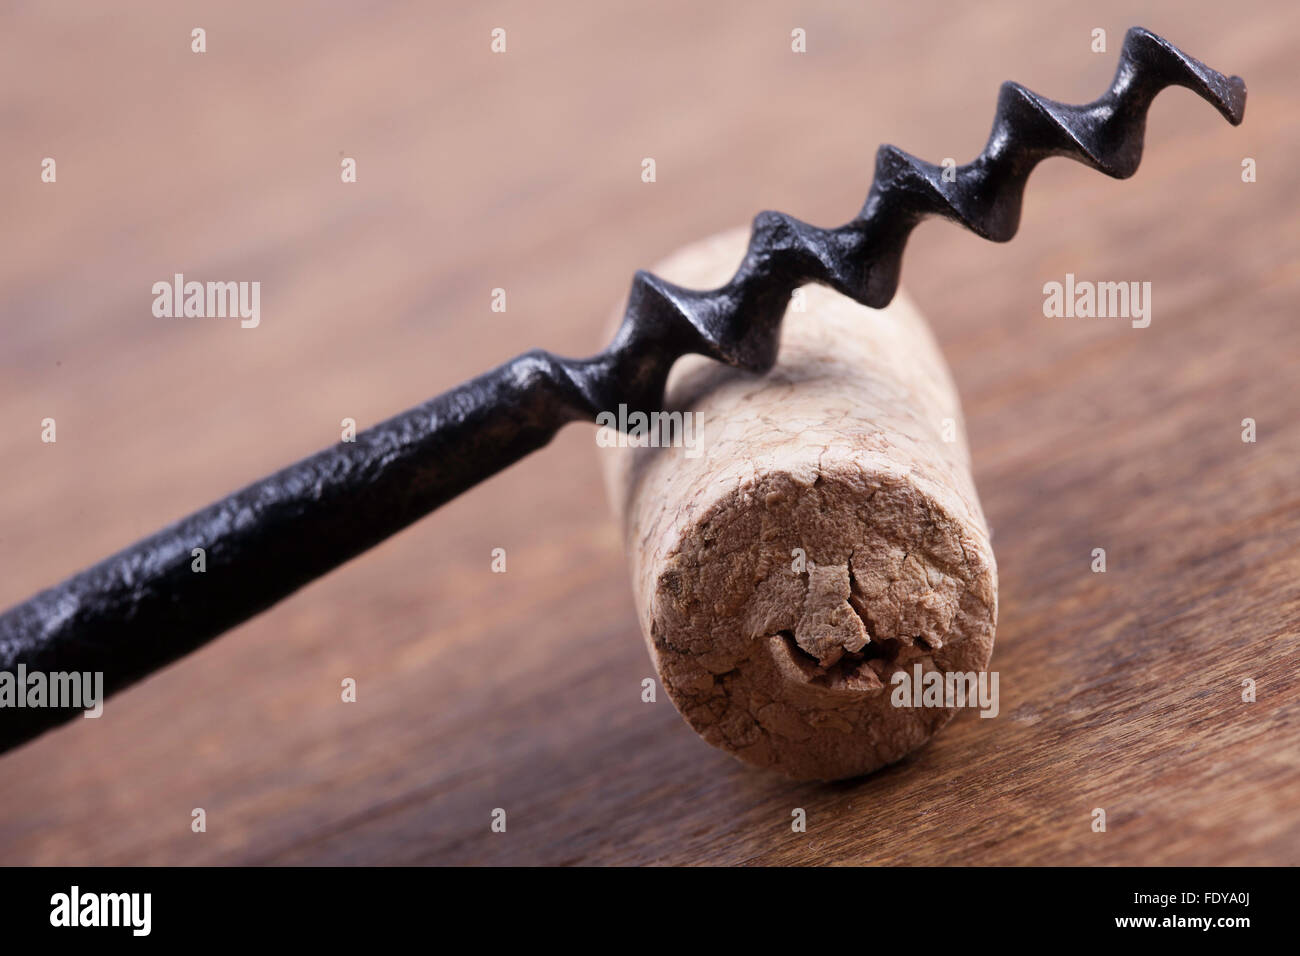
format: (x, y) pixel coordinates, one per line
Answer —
(789, 610)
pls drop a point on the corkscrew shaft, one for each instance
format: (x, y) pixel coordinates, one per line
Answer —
(168, 594)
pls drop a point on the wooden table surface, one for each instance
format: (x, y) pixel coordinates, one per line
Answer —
(522, 171)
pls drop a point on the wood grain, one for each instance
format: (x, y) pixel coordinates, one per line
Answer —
(522, 171)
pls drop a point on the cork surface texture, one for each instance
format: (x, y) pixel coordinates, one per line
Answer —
(812, 535)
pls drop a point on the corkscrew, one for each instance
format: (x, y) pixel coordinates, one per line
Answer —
(145, 606)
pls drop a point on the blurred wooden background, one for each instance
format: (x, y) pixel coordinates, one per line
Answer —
(522, 690)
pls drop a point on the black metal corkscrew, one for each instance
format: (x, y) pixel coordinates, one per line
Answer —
(145, 607)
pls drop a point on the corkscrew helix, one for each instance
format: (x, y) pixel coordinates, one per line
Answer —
(152, 602)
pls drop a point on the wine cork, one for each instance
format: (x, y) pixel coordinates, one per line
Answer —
(807, 536)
